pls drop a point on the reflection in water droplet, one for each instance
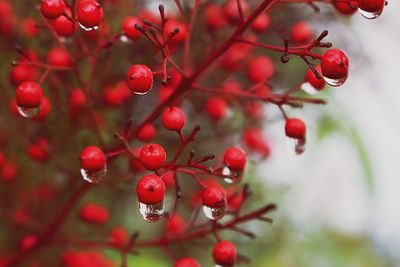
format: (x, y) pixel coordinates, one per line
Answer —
(93, 176)
(335, 82)
(125, 39)
(214, 213)
(296, 146)
(232, 176)
(140, 93)
(28, 112)
(151, 212)
(309, 89)
(88, 29)
(370, 15)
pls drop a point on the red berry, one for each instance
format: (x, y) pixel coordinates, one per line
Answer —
(165, 92)
(225, 254)
(77, 99)
(261, 23)
(214, 196)
(129, 29)
(140, 79)
(176, 225)
(40, 150)
(146, 133)
(152, 156)
(52, 9)
(22, 73)
(92, 159)
(173, 118)
(59, 57)
(94, 213)
(135, 165)
(187, 262)
(318, 84)
(44, 110)
(235, 197)
(254, 139)
(119, 237)
(231, 11)
(29, 95)
(28, 242)
(335, 66)
(150, 189)
(28, 27)
(216, 107)
(86, 259)
(90, 14)
(371, 8)
(170, 27)
(168, 178)
(63, 26)
(260, 69)
(295, 128)
(346, 8)
(302, 33)
(213, 16)
(235, 159)
(9, 170)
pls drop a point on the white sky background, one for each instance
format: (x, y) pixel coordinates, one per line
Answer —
(326, 185)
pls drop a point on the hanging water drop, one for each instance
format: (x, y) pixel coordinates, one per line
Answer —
(370, 15)
(232, 176)
(88, 29)
(28, 112)
(94, 176)
(151, 212)
(296, 146)
(214, 213)
(125, 39)
(335, 82)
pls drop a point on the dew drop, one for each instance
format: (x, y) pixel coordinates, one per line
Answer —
(296, 146)
(151, 212)
(370, 15)
(93, 176)
(88, 28)
(28, 112)
(140, 93)
(309, 89)
(232, 176)
(335, 82)
(125, 39)
(214, 213)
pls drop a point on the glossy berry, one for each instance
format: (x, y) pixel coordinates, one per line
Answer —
(29, 95)
(90, 14)
(63, 26)
(214, 196)
(225, 254)
(171, 25)
(302, 32)
(187, 262)
(346, 8)
(147, 133)
(371, 8)
(235, 159)
(52, 9)
(140, 79)
(22, 73)
(261, 23)
(260, 69)
(335, 66)
(94, 213)
(152, 156)
(59, 57)
(295, 128)
(129, 29)
(318, 84)
(216, 107)
(173, 118)
(92, 159)
(150, 189)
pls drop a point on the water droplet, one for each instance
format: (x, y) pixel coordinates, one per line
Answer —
(140, 93)
(296, 146)
(151, 212)
(214, 213)
(370, 15)
(28, 112)
(93, 176)
(335, 82)
(125, 39)
(232, 176)
(88, 29)
(309, 89)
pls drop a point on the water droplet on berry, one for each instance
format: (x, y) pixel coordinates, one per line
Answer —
(335, 82)
(309, 89)
(151, 212)
(232, 176)
(88, 29)
(93, 176)
(370, 15)
(214, 213)
(28, 112)
(125, 39)
(296, 146)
